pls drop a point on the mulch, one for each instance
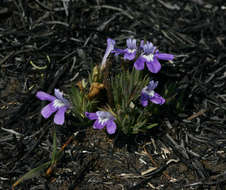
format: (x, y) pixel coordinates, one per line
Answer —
(45, 46)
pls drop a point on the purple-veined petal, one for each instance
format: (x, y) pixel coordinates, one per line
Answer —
(59, 116)
(48, 110)
(129, 55)
(152, 85)
(142, 44)
(134, 44)
(131, 43)
(58, 94)
(110, 47)
(91, 116)
(103, 116)
(164, 56)
(118, 51)
(45, 96)
(148, 48)
(98, 125)
(111, 127)
(157, 99)
(144, 100)
(139, 64)
(154, 66)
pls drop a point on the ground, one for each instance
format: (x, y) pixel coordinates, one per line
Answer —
(45, 46)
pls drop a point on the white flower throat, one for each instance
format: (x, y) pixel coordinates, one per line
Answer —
(58, 103)
(103, 119)
(103, 116)
(150, 93)
(149, 57)
(131, 50)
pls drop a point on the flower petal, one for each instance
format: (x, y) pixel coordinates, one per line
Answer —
(129, 56)
(111, 127)
(154, 66)
(134, 44)
(104, 115)
(129, 43)
(164, 56)
(139, 64)
(98, 125)
(45, 96)
(157, 99)
(58, 94)
(59, 116)
(91, 116)
(142, 44)
(110, 47)
(118, 51)
(48, 110)
(144, 99)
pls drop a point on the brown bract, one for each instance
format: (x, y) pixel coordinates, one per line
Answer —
(95, 89)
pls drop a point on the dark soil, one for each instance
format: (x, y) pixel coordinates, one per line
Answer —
(188, 149)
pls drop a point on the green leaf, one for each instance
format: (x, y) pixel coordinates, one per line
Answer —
(32, 173)
(81, 103)
(53, 160)
(151, 126)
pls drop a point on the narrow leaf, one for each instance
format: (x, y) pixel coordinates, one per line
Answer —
(152, 125)
(32, 173)
(54, 147)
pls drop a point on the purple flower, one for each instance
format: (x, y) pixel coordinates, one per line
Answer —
(150, 56)
(110, 48)
(103, 118)
(148, 93)
(57, 104)
(130, 51)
